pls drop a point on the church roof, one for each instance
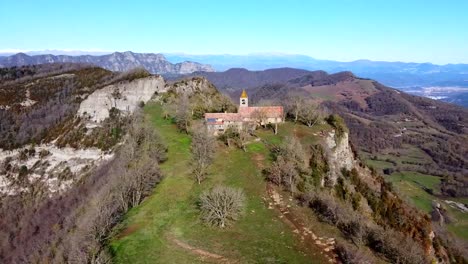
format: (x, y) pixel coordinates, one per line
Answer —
(244, 94)
(245, 113)
(267, 111)
(223, 116)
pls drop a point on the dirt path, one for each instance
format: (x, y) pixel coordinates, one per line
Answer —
(314, 243)
(201, 253)
(325, 245)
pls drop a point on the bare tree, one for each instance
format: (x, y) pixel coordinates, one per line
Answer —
(290, 164)
(203, 149)
(260, 117)
(283, 172)
(293, 151)
(221, 205)
(183, 114)
(294, 105)
(309, 114)
(243, 137)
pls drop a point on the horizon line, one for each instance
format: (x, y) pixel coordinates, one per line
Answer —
(100, 52)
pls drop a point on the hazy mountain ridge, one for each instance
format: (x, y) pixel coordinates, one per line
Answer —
(414, 77)
(117, 61)
(249, 79)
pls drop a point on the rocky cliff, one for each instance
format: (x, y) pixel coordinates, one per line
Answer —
(53, 146)
(124, 97)
(339, 154)
(117, 61)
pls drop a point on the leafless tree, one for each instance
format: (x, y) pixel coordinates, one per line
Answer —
(294, 105)
(310, 114)
(203, 149)
(183, 114)
(243, 137)
(293, 151)
(283, 172)
(260, 117)
(290, 164)
(221, 205)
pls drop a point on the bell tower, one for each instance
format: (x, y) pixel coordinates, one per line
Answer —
(244, 99)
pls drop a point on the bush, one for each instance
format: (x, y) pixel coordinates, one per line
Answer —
(44, 153)
(395, 246)
(221, 205)
(338, 124)
(352, 255)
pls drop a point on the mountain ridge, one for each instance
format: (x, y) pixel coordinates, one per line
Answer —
(395, 74)
(117, 61)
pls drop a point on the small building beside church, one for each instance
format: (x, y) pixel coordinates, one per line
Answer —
(246, 116)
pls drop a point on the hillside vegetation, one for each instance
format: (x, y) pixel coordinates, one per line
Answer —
(167, 223)
(127, 172)
(413, 133)
(168, 226)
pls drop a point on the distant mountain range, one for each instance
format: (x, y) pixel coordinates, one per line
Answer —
(117, 61)
(442, 82)
(448, 82)
(395, 74)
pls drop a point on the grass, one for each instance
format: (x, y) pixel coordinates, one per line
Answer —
(409, 157)
(379, 164)
(409, 184)
(460, 226)
(171, 211)
(307, 135)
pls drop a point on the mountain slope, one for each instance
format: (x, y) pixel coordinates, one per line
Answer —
(382, 120)
(72, 144)
(117, 61)
(56, 120)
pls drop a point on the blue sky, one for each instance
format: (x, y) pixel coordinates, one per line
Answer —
(391, 30)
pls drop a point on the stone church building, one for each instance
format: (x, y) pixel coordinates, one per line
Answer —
(246, 116)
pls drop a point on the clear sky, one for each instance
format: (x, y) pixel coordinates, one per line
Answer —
(391, 30)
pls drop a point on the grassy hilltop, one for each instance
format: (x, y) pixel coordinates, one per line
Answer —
(162, 227)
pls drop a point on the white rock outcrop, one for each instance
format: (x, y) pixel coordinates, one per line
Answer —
(124, 96)
(339, 154)
(49, 167)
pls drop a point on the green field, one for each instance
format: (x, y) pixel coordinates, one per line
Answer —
(408, 157)
(409, 184)
(150, 232)
(459, 226)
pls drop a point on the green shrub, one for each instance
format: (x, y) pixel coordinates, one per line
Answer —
(338, 124)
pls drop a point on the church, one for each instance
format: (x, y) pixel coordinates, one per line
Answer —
(246, 116)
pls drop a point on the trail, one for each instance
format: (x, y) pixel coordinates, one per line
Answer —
(325, 245)
(312, 242)
(200, 252)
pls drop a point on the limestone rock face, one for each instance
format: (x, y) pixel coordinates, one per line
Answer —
(125, 97)
(187, 67)
(193, 85)
(339, 155)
